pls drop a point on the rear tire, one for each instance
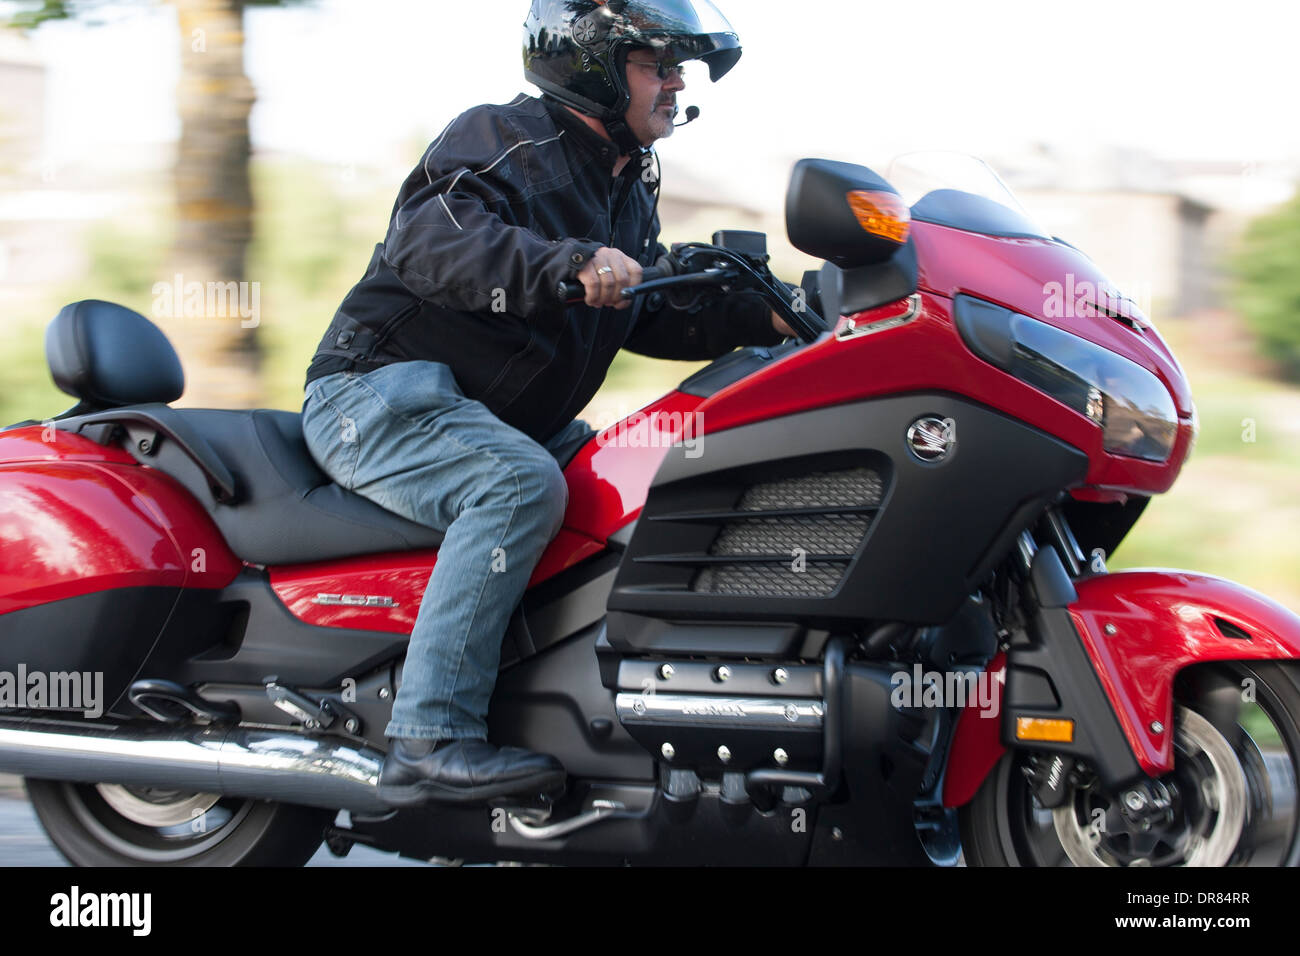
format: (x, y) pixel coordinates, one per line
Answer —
(110, 825)
(1004, 825)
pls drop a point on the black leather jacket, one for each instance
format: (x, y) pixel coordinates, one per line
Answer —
(507, 202)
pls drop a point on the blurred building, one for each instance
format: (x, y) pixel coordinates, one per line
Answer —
(22, 106)
(1157, 247)
(46, 207)
(34, 230)
(1162, 230)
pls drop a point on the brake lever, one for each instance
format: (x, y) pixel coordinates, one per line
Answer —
(707, 277)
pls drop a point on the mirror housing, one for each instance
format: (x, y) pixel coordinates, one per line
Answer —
(843, 213)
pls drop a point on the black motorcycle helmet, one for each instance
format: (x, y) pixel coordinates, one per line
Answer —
(576, 50)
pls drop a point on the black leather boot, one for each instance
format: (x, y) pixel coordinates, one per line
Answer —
(463, 771)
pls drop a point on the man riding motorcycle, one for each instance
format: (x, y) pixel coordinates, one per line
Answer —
(447, 385)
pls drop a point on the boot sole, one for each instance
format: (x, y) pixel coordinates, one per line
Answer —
(430, 791)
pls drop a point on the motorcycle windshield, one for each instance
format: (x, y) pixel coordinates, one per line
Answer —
(963, 192)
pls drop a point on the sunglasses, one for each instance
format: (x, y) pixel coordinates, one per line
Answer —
(663, 68)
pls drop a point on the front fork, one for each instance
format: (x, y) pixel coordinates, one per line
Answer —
(1090, 670)
(1052, 700)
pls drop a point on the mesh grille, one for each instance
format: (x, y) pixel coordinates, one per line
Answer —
(795, 535)
(771, 580)
(815, 534)
(823, 489)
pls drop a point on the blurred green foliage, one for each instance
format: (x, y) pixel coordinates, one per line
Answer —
(1267, 269)
(1236, 505)
(316, 229)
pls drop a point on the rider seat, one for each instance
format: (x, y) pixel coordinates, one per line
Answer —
(251, 469)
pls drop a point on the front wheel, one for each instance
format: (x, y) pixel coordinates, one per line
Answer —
(115, 825)
(1229, 801)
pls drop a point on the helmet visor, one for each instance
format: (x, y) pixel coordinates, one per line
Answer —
(682, 17)
(686, 29)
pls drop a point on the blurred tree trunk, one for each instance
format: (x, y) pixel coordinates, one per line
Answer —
(214, 204)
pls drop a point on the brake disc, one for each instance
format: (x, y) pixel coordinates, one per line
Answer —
(1223, 791)
(156, 808)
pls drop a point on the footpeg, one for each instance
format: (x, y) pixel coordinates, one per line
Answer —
(536, 809)
(312, 714)
(531, 824)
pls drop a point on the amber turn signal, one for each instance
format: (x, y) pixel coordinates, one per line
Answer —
(1040, 728)
(881, 214)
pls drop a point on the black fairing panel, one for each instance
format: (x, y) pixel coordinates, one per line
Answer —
(554, 703)
(883, 769)
(734, 366)
(939, 527)
(244, 633)
(846, 291)
(108, 631)
(1103, 526)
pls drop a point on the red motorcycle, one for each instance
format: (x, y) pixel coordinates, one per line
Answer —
(843, 600)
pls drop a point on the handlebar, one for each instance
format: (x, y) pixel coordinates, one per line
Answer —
(729, 271)
(573, 292)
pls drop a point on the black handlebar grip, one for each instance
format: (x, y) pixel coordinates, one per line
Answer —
(573, 292)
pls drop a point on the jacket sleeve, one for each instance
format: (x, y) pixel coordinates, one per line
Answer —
(454, 238)
(731, 322)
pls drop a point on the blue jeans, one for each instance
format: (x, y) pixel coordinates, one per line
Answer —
(405, 437)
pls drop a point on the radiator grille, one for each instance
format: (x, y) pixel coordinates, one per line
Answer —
(853, 487)
(771, 580)
(816, 534)
(793, 555)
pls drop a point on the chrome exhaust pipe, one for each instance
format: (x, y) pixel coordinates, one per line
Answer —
(258, 762)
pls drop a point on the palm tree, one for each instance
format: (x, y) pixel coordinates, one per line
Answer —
(212, 196)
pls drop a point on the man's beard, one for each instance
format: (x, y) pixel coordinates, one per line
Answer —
(662, 124)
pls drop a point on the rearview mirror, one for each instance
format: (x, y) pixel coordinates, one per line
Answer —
(843, 213)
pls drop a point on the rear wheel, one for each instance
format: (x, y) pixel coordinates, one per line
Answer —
(1229, 801)
(116, 825)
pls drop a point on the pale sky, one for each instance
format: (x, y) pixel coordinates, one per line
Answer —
(357, 81)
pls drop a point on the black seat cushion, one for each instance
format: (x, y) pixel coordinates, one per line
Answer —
(107, 355)
(287, 510)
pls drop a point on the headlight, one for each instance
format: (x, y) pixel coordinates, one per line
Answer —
(1133, 407)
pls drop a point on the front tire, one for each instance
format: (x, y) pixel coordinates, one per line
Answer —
(1237, 759)
(114, 825)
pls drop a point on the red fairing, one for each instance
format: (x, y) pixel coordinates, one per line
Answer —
(1165, 621)
(976, 743)
(1048, 281)
(47, 443)
(926, 354)
(210, 564)
(77, 526)
(402, 577)
(610, 477)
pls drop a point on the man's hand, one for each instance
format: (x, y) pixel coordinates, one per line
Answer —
(779, 324)
(607, 274)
